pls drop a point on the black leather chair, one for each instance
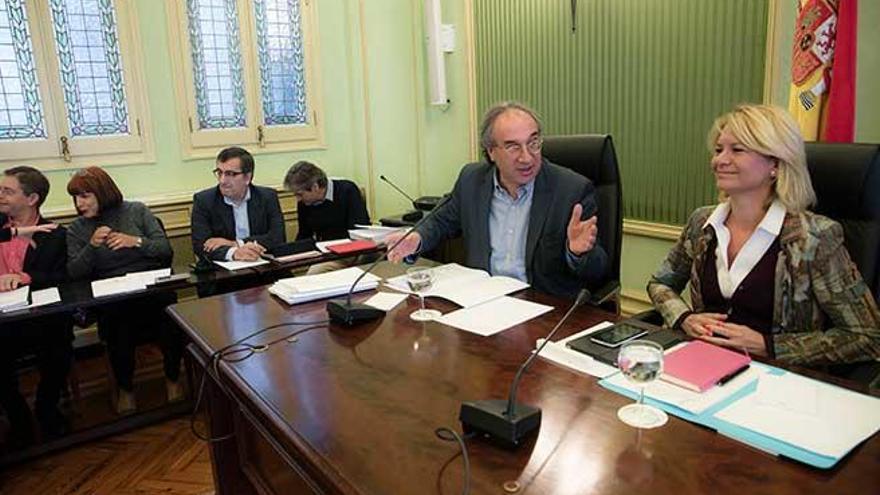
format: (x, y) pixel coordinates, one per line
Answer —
(846, 178)
(593, 156)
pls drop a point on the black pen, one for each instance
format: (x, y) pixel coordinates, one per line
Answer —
(733, 375)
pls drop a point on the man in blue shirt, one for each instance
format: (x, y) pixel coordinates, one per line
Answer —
(519, 214)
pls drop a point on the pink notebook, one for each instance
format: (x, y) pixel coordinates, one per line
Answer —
(698, 365)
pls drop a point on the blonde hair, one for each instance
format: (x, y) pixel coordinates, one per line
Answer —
(771, 131)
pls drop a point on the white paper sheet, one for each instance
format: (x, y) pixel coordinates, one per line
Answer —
(559, 353)
(14, 299)
(842, 418)
(130, 282)
(240, 265)
(494, 316)
(45, 296)
(385, 300)
(116, 285)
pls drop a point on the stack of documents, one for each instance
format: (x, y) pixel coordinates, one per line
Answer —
(375, 233)
(14, 299)
(240, 265)
(130, 282)
(297, 290)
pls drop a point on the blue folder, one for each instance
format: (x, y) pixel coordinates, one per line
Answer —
(757, 440)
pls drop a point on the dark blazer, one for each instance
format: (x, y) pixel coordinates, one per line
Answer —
(212, 217)
(556, 191)
(332, 219)
(46, 263)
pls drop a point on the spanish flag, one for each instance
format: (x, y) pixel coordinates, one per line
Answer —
(823, 69)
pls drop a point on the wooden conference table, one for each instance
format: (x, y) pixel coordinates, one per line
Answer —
(353, 411)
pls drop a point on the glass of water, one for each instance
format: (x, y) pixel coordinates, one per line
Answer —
(420, 279)
(641, 362)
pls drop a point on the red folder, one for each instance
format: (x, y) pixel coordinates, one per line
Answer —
(699, 365)
(352, 247)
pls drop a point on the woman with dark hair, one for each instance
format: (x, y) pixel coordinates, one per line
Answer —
(113, 237)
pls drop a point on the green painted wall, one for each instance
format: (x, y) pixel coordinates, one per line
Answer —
(383, 91)
(653, 74)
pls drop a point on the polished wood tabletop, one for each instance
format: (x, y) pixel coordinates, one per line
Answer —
(355, 409)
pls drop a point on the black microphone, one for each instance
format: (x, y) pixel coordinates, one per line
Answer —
(346, 312)
(411, 216)
(505, 421)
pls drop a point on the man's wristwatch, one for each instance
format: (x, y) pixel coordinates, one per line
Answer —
(140, 241)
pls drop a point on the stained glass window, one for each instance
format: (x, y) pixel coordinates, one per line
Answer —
(280, 48)
(217, 70)
(21, 112)
(91, 67)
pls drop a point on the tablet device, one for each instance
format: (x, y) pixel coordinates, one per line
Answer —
(616, 335)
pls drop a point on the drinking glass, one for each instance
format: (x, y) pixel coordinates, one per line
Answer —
(420, 280)
(641, 362)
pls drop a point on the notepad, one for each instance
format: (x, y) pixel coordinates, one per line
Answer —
(698, 365)
(352, 247)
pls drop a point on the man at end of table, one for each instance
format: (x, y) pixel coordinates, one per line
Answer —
(519, 215)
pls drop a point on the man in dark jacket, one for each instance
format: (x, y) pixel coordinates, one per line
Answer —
(236, 220)
(40, 263)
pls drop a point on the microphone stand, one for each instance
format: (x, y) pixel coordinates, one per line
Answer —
(507, 422)
(412, 216)
(350, 313)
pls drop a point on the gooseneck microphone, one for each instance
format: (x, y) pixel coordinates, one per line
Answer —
(410, 216)
(348, 313)
(507, 422)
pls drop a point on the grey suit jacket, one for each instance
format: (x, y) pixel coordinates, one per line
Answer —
(556, 191)
(212, 217)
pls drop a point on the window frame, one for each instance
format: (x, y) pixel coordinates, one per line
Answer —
(47, 154)
(257, 137)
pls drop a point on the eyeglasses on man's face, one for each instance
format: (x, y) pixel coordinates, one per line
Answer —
(229, 174)
(532, 146)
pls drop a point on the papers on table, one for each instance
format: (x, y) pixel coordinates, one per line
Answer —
(241, 265)
(464, 286)
(130, 282)
(385, 300)
(297, 290)
(494, 316)
(45, 297)
(819, 417)
(559, 353)
(14, 299)
(17, 299)
(690, 400)
(375, 233)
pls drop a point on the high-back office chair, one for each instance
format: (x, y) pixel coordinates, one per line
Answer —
(846, 178)
(593, 156)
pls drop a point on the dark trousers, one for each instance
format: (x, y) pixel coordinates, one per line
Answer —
(49, 340)
(122, 326)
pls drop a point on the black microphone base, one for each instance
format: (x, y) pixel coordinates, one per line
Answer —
(412, 216)
(346, 313)
(489, 417)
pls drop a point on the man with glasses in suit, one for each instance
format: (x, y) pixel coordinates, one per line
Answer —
(518, 214)
(236, 220)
